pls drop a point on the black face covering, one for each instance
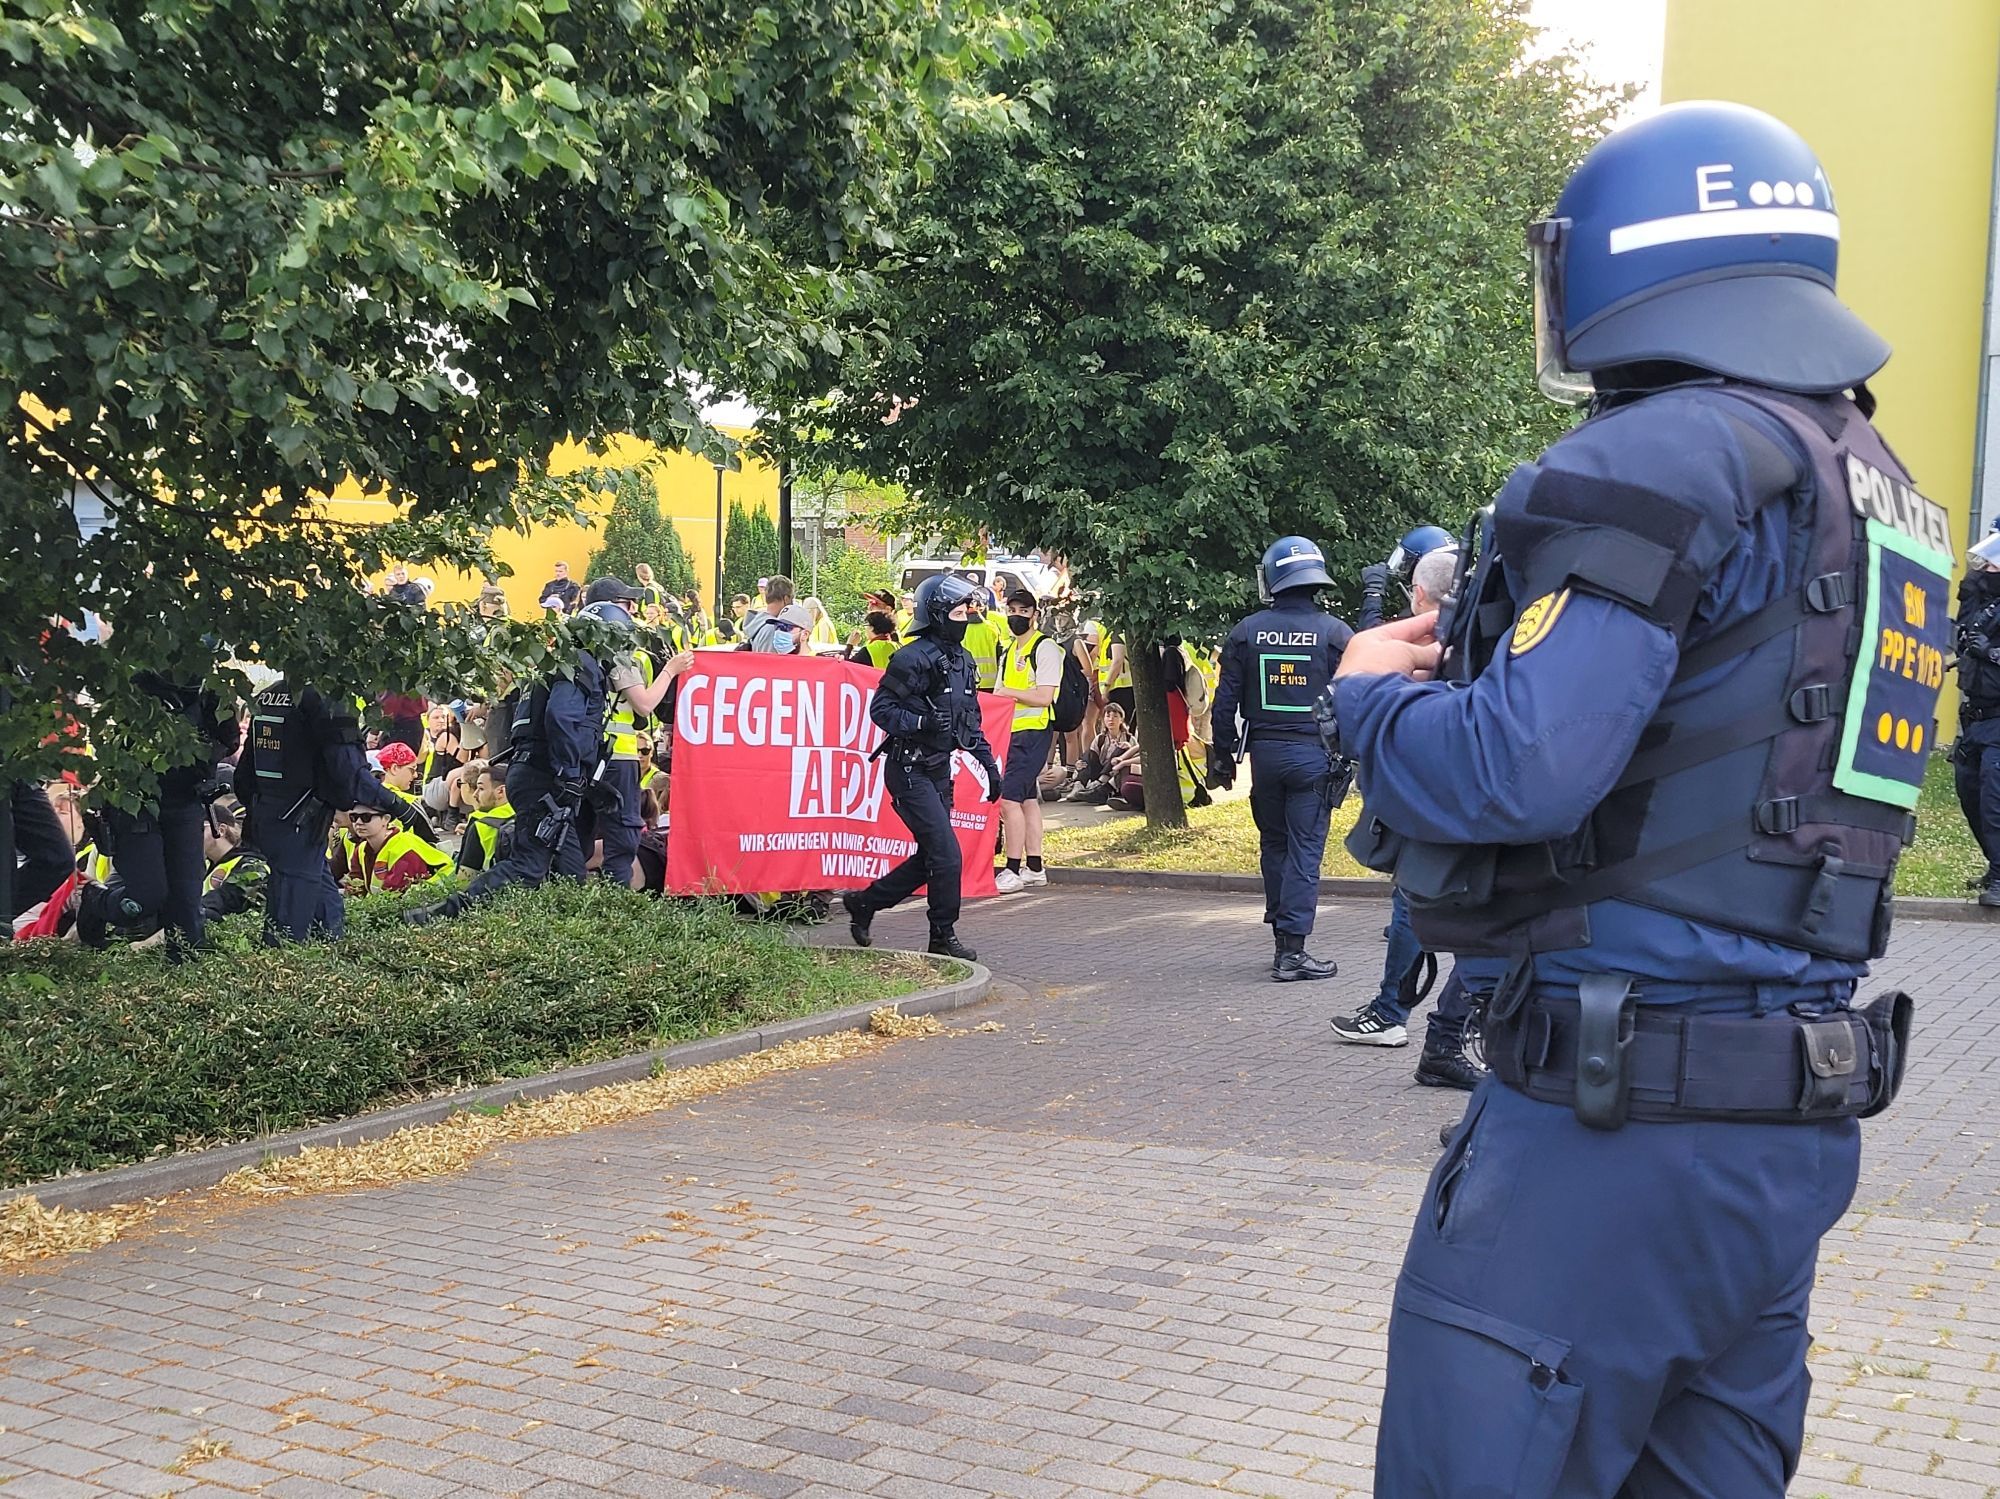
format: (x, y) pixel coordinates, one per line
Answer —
(1976, 588)
(950, 630)
(1020, 624)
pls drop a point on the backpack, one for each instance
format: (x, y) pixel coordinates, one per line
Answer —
(1073, 697)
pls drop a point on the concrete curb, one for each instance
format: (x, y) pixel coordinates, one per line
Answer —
(204, 1168)
(1908, 907)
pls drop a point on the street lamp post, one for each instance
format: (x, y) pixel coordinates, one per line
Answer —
(718, 541)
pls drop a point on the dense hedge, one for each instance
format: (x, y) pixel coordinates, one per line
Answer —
(113, 1057)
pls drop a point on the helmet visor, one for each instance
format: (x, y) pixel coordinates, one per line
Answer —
(1558, 381)
(1985, 552)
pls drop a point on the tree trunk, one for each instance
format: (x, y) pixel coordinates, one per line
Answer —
(1150, 682)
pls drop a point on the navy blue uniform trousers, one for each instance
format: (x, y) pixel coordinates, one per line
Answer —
(921, 794)
(1976, 768)
(1586, 1314)
(159, 859)
(303, 898)
(1288, 804)
(619, 826)
(528, 860)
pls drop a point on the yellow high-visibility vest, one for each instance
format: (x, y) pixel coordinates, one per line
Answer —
(486, 828)
(879, 652)
(623, 725)
(1104, 666)
(402, 842)
(982, 643)
(1018, 672)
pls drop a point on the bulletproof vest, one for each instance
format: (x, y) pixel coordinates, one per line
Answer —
(1773, 790)
(1288, 665)
(1978, 636)
(283, 757)
(527, 725)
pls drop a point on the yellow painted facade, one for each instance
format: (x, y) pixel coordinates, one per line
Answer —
(1899, 103)
(687, 496)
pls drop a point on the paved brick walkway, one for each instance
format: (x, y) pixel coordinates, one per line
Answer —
(1140, 1241)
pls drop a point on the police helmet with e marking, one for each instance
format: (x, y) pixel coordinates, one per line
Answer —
(1291, 562)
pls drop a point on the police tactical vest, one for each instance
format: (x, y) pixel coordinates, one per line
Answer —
(1286, 668)
(1978, 640)
(1773, 790)
(950, 692)
(282, 757)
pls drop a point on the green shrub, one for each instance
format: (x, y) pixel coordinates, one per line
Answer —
(113, 1057)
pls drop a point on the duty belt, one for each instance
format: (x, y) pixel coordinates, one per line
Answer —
(1969, 714)
(1613, 1060)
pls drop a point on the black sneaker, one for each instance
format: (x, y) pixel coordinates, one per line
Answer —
(859, 918)
(947, 945)
(1448, 1069)
(1297, 967)
(1365, 1028)
(1990, 896)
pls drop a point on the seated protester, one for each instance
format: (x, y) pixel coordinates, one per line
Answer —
(881, 643)
(649, 867)
(397, 857)
(652, 775)
(1130, 779)
(345, 855)
(653, 805)
(399, 774)
(72, 810)
(236, 874)
(489, 826)
(442, 753)
(1113, 747)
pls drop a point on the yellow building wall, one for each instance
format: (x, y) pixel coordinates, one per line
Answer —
(687, 496)
(1899, 103)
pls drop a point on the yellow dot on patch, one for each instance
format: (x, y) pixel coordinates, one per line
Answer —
(1536, 622)
(1917, 740)
(1902, 733)
(1886, 727)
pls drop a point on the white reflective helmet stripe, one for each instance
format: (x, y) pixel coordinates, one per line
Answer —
(1723, 224)
(1291, 557)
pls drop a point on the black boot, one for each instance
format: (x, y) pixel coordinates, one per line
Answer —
(859, 917)
(1277, 953)
(1448, 1069)
(947, 945)
(1295, 964)
(1990, 896)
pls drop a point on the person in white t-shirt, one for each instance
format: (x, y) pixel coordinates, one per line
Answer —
(1031, 669)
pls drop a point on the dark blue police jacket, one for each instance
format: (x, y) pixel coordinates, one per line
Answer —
(1275, 664)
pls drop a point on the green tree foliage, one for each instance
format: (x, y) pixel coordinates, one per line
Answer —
(637, 531)
(1252, 269)
(255, 246)
(845, 574)
(749, 549)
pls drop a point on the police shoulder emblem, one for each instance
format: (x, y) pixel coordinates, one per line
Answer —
(1536, 622)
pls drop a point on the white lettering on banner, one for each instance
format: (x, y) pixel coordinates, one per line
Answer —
(774, 712)
(854, 866)
(829, 782)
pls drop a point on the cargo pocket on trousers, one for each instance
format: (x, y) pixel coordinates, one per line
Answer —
(1499, 1390)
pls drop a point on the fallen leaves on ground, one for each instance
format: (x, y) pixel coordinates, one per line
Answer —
(29, 1231)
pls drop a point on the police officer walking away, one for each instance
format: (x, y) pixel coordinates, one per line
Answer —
(556, 734)
(928, 705)
(1656, 812)
(1275, 664)
(1976, 758)
(305, 760)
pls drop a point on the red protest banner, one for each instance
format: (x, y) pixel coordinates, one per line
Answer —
(774, 787)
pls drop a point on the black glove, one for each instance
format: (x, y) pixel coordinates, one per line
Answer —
(1221, 768)
(568, 795)
(992, 778)
(1375, 579)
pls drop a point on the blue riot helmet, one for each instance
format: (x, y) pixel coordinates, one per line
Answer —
(1291, 562)
(937, 596)
(1704, 234)
(1417, 541)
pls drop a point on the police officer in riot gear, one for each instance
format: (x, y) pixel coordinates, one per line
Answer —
(305, 759)
(1417, 543)
(928, 705)
(1976, 758)
(1656, 814)
(556, 734)
(1275, 665)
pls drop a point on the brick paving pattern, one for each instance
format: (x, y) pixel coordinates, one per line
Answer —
(1138, 1242)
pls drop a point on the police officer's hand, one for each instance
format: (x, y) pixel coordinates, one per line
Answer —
(1401, 648)
(1221, 768)
(1375, 579)
(569, 795)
